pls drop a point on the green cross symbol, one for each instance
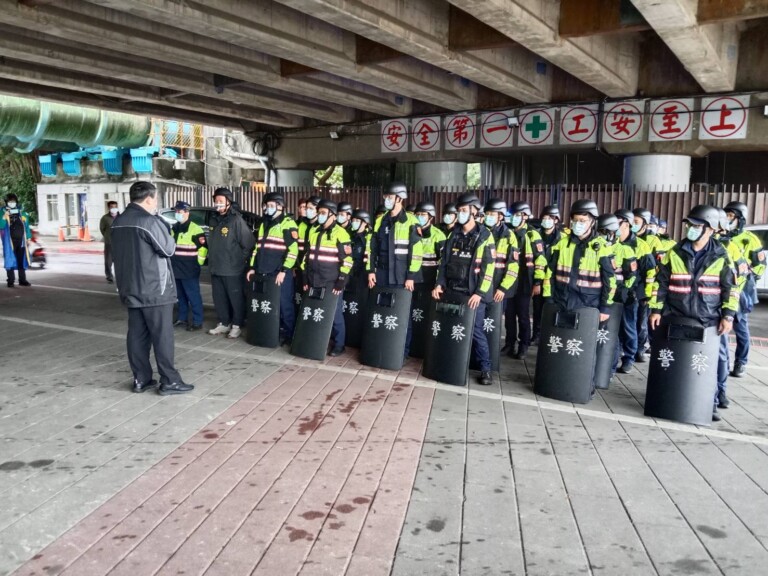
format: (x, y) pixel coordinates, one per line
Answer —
(536, 127)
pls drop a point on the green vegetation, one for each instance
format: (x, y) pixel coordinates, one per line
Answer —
(473, 175)
(19, 175)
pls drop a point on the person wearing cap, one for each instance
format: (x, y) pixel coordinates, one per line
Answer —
(466, 268)
(754, 267)
(506, 265)
(275, 255)
(532, 265)
(696, 279)
(551, 233)
(344, 216)
(449, 218)
(15, 234)
(580, 270)
(637, 251)
(105, 227)
(641, 227)
(394, 247)
(328, 263)
(191, 253)
(230, 243)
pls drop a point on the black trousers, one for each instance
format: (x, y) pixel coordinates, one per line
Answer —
(18, 252)
(229, 299)
(151, 327)
(517, 318)
(108, 261)
(538, 310)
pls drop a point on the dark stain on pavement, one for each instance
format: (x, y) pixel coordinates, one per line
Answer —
(41, 463)
(312, 515)
(211, 435)
(690, 566)
(345, 508)
(310, 424)
(298, 534)
(11, 465)
(436, 525)
(361, 500)
(711, 532)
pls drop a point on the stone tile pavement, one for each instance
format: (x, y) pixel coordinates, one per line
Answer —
(275, 465)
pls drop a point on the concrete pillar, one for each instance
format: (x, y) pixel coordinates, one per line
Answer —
(658, 172)
(294, 178)
(440, 174)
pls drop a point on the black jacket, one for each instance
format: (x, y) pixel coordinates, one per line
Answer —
(230, 243)
(142, 247)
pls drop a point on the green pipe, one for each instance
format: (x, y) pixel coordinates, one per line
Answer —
(33, 122)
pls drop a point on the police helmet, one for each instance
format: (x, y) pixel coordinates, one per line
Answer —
(314, 200)
(738, 208)
(523, 207)
(345, 207)
(410, 208)
(181, 205)
(704, 214)
(654, 220)
(724, 226)
(607, 222)
(585, 207)
(275, 197)
(330, 206)
(398, 189)
(469, 200)
(624, 214)
(551, 210)
(662, 223)
(362, 215)
(643, 213)
(495, 205)
(380, 209)
(427, 207)
(449, 208)
(226, 192)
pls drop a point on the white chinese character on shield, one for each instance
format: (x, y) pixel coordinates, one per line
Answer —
(555, 343)
(435, 328)
(488, 325)
(306, 313)
(457, 333)
(254, 305)
(345, 306)
(317, 315)
(417, 315)
(297, 297)
(602, 336)
(390, 322)
(266, 306)
(699, 362)
(666, 357)
(376, 321)
(353, 308)
(573, 347)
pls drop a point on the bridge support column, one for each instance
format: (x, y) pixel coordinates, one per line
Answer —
(657, 172)
(437, 175)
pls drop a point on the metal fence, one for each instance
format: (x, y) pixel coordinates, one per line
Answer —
(671, 205)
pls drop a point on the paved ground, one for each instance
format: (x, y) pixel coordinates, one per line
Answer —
(280, 466)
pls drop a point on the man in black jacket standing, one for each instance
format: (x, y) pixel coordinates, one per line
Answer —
(142, 247)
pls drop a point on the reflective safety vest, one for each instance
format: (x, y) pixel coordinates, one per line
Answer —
(532, 260)
(705, 293)
(432, 240)
(328, 260)
(277, 246)
(646, 266)
(665, 245)
(467, 261)
(653, 241)
(360, 251)
(191, 249)
(507, 264)
(626, 270)
(304, 226)
(405, 248)
(751, 251)
(581, 274)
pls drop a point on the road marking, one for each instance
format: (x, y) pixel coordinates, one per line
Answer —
(541, 404)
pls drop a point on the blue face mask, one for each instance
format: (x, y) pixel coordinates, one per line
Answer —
(490, 221)
(693, 233)
(448, 218)
(423, 220)
(516, 220)
(179, 217)
(355, 224)
(579, 228)
(341, 218)
(271, 210)
(389, 203)
(322, 219)
(547, 223)
(463, 217)
(636, 228)
(311, 213)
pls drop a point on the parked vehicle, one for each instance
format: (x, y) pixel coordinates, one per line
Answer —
(36, 249)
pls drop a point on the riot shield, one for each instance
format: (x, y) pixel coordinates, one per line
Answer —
(449, 342)
(386, 328)
(263, 312)
(355, 301)
(607, 337)
(420, 305)
(565, 360)
(492, 328)
(314, 324)
(682, 375)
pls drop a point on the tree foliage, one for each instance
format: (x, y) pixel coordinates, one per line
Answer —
(19, 175)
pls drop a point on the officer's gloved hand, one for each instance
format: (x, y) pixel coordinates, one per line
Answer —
(338, 286)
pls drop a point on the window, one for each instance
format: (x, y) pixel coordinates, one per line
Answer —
(52, 201)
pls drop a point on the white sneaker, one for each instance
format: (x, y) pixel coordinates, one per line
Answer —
(235, 332)
(220, 329)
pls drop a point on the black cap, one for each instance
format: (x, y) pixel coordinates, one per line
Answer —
(181, 205)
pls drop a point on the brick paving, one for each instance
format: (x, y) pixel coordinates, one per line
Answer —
(276, 465)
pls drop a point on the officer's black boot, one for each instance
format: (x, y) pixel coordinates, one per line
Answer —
(522, 350)
(485, 378)
(174, 388)
(738, 370)
(722, 399)
(715, 414)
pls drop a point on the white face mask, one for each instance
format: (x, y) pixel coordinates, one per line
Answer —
(271, 210)
(389, 203)
(311, 213)
(341, 218)
(113, 211)
(547, 223)
(179, 217)
(579, 228)
(355, 224)
(448, 218)
(463, 217)
(11, 205)
(220, 207)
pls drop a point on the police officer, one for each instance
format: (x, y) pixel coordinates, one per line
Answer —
(275, 254)
(641, 227)
(360, 229)
(191, 253)
(395, 250)
(640, 289)
(551, 232)
(507, 265)
(345, 215)
(532, 264)
(449, 218)
(466, 268)
(327, 264)
(306, 223)
(752, 253)
(695, 279)
(432, 240)
(665, 242)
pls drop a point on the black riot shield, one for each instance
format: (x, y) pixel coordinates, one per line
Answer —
(449, 342)
(263, 312)
(355, 302)
(565, 360)
(607, 337)
(492, 327)
(420, 304)
(314, 323)
(386, 328)
(682, 375)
